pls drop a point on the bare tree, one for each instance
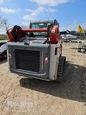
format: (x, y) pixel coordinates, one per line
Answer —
(4, 24)
(4, 27)
(3, 21)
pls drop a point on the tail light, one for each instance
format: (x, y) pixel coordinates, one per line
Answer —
(9, 55)
(46, 60)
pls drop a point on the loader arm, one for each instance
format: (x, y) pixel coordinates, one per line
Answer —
(16, 33)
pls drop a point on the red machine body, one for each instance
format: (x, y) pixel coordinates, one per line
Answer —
(10, 35)
(17, 32)
(54, 35)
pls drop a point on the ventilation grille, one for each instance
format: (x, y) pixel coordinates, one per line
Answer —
(27, 60)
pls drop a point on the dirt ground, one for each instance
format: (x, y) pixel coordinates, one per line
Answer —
(36, 97)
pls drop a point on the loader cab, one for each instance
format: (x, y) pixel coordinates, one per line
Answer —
(42, 24)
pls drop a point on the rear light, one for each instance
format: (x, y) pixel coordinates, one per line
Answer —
(46, 60)
(9, 55)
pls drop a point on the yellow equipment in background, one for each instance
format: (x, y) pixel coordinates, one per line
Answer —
(81, 30)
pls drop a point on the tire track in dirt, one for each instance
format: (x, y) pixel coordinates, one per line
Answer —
(78, 60)
(83, 79)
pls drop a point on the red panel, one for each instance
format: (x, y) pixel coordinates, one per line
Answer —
(9, 33)
(54, 37)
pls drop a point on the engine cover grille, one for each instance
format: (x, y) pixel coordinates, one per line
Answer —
(27, 60)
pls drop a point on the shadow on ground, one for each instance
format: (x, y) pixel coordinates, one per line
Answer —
(70, 88)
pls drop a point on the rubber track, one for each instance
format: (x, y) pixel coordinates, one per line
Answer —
(60, 69)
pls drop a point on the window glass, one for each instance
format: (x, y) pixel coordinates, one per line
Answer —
(40, 25)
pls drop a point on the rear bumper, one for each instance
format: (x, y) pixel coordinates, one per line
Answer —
(31, 75)
(40, 78)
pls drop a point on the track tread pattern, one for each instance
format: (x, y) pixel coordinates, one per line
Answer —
(83, 87)
(60, 69)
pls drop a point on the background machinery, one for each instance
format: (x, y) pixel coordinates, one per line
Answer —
(36, 52)
(81, 30)
(76, 36)
(82, 44)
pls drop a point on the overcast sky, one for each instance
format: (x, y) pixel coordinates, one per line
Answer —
(69, 13)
